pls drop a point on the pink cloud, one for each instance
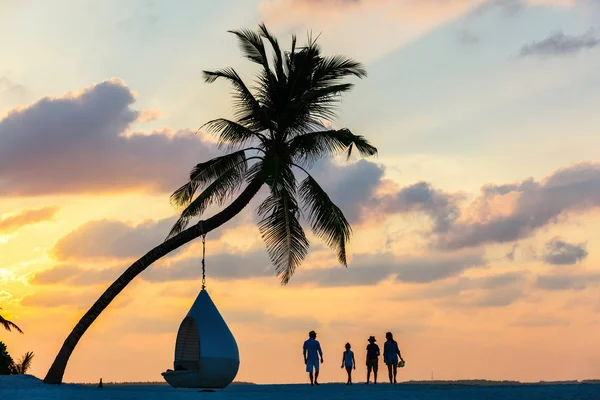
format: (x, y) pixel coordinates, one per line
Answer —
(77, 143)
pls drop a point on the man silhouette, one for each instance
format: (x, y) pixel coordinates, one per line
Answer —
(372, 359)
(311, 351)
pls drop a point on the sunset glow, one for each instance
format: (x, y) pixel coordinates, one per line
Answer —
(474, 230)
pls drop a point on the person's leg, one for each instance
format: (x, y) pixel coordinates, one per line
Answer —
(309, 369)
(375, 368)
(310, 374)
(395, 372)
(369, 368)
(317, 372)
(389, 366)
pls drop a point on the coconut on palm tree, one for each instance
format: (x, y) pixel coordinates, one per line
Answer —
(8, 325)
(278, 132)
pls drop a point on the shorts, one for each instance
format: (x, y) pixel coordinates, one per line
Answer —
(310, 364)
(392, 359)
(373, 364)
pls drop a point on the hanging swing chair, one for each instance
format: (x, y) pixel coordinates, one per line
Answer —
(206, 354)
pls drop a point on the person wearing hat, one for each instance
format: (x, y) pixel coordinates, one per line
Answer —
(372, 359)
(312, 351)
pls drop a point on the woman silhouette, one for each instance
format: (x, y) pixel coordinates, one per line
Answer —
(391, 353)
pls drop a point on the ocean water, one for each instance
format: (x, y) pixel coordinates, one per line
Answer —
(33, 389)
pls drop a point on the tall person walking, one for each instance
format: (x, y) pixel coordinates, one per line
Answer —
(391, 354)
(312, 351)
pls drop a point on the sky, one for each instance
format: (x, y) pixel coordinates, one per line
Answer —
(475, 228)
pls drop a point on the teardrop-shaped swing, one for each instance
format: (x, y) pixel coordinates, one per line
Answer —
(206, 354)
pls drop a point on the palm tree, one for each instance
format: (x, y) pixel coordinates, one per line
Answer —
(24, 364)
(8, 325)
(278, 130)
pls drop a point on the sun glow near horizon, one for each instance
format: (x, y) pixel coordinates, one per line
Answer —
(474, 235)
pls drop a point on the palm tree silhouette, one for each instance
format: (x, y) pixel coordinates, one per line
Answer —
(8, 325)
(278, 131)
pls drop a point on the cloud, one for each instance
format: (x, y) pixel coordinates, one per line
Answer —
(72, 275)
(219, 266)
(493, 290)
(514, 7)
(149, 325)
(80, 143)
(370, 269)
(559, 44)
(107, 239)
(149, 115)
(559, 252)
(557, 282)
(363, 270)
(12, 90)
(15, 222)
(510, 256)
(423, 197)
(268, 321)
(356, 188)
(498, 298)
(505, 213)
(351, 186)
(61, 298)
(539, 321)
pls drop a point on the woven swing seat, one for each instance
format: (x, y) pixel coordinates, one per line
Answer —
(206, 354)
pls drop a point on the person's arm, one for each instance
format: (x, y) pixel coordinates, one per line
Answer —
(320, 351)
(343, 358)
(398, 351)
(353, 361)
(304, 351)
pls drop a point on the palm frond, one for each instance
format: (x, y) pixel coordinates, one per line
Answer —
(312, 146)
(278, 56)
(8, 325)
(217, 192)
(289, 56)
(24, 364)
(326, 219)
(282, 233)
(205, 173)
(331, 69)
(252, 46)
(246, 106)
(232, 135)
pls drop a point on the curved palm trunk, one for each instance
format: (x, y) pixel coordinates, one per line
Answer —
(57, 370)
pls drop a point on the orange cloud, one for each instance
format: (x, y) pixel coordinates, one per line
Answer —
(149, 115)
(15, 222)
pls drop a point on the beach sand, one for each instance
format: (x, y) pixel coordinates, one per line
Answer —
(28, 387)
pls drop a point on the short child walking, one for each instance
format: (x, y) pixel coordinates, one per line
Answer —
(348, 362)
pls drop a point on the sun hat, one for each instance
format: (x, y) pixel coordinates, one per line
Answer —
(372, 339)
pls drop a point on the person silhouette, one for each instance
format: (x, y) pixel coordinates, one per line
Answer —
(311, 351)
(391, 352)
(372, 359)
(348, 362)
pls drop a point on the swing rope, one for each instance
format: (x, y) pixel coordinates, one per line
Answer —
(203, 255)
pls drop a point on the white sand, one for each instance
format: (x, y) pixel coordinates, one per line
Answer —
(28, 387)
